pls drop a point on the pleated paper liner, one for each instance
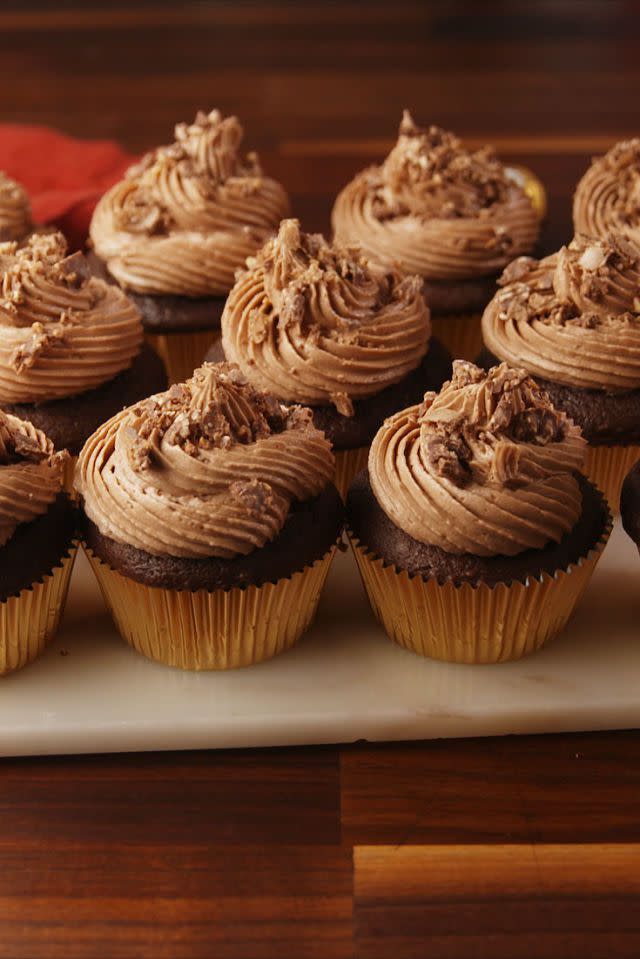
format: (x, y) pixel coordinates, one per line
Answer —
(348, 465)
(29, 620)
(222, 629)
(607, 466)
(461, 333)
(473, 624)
(182, 353)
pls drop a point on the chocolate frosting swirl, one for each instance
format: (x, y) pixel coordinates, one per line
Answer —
(209, 468)
(316, 323)
(436, 208)
(31, 474)
(484, 467)
(15, 210)
(607, 198)
(573, 317)
(188, 215)
(62, 331)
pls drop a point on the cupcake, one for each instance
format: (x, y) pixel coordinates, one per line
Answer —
(37, 549)
(453, 216)
(572, 320)
(607, 198)
(474, 534)
(15, 210)
(630, 504)
(71, 350)
(318, 324)
(173, 232)
(210, 521)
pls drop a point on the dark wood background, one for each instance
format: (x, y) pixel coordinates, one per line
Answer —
(515, 847)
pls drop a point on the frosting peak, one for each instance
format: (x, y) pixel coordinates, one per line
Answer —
(186, 216)
(430, 172)
(581, 302)
(15, 210)
(436, 208)
(483, 467)
(314, 322)
(208, 468)
(62, 331)
(607, 197)
(31, 473)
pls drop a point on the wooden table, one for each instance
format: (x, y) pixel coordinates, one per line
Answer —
(526, 847)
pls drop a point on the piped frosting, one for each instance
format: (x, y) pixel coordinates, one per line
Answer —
(188, 215)
(573, 317)
(436, 208)
(484, 467)
(317, 323)
(62, 331)
(208, 468)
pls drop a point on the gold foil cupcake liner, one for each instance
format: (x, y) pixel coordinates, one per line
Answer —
(348, 465)
(461, 333)
(182, 353)
(473, 624)
(533, 187)
(222, 629)
(607, 466)
(29, 620)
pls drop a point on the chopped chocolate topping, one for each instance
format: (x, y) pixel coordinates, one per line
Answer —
(254, 497)
(478, 410)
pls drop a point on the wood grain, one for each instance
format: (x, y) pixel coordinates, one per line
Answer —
(498, 902)
(249, 854)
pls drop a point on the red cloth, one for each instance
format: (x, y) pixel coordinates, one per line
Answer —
(64, 176)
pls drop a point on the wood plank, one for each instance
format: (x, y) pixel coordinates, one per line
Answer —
(173, 901)
(533, 902)
(221, 797)
(539, 789)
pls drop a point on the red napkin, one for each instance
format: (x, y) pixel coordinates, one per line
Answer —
(65, 177)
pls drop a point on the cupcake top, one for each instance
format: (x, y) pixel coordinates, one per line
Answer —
(15, 210)
(607, 198)
(437, 208)
(484, 467)
(314, 322)
(573, 317)
(31, 474)
(186, 216)
(209, 468)
(62, 331)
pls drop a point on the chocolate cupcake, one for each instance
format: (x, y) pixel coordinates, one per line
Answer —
(607, 198)
(15, 210)
(173, 232)
(210, 521)
(630, 504)
(453, 216)
(37, 548)
(572, 320)
(474, 534)
(317, 324)
(71, 350)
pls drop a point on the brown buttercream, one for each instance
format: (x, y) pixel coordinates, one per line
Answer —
(31, 474)
(607, 198)
(62, 331)
(15, 210)
(437, 208)
(483, 467)
(316, 323)
(573, 317)
(209, 468)
(188, 215)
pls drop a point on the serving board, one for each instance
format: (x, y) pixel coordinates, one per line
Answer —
(344, 681)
